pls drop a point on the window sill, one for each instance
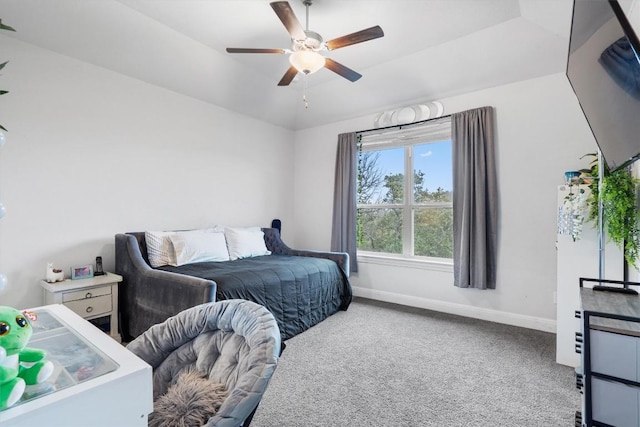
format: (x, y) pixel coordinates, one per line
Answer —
(399, 261)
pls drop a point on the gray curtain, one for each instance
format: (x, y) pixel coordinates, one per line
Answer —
(343, 232)
(475, 199)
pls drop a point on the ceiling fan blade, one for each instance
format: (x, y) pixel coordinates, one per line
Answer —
(357, 37)
(288, 76)
(243, 50)
(340, 69)
(288, 18)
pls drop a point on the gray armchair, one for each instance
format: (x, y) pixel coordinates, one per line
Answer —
(233, 342)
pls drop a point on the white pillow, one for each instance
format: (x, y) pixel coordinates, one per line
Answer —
(159, 248)
(193, 247)
(245, 242)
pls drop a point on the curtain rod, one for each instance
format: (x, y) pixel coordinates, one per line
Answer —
(400, 126)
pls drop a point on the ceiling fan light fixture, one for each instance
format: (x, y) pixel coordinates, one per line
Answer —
(307, 61)
(306, 44)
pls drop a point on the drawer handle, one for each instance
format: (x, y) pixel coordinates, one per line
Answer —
(89, 309)
(579, 383)
(88, 295)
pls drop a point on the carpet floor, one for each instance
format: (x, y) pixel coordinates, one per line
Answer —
(381, 364)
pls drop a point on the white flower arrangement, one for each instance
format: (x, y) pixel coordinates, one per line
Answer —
(572, 213)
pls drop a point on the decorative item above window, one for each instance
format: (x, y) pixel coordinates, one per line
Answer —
(409, 114)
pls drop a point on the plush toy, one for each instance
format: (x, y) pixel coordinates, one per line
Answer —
(54, 274)
(19, 365)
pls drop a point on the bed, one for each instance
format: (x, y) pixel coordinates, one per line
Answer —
(299, 287)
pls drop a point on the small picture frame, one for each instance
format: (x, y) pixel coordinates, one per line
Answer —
(83, 272)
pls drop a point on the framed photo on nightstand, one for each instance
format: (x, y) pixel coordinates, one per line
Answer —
(84, 272)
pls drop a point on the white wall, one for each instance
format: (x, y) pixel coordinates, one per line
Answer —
(91, 153)
(541, 133)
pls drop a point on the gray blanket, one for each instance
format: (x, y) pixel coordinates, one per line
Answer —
(299, 291)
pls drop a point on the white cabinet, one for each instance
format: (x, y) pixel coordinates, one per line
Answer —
(577, 259)
(96, 382)
(95, 299)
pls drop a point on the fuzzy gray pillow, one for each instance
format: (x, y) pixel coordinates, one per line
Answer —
(190, 402)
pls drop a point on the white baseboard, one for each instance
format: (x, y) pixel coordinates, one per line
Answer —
(546, 325)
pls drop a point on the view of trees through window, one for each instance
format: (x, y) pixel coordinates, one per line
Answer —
(406, 213)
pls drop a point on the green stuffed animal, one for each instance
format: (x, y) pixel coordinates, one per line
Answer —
(19, 365)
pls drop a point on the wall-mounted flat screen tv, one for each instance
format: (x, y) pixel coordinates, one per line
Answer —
(603, 68)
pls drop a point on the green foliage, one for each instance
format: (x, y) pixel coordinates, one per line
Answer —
(2, 92)
(434, 232)
(380, 230)
(620, 207)
(592, 174)
(5, 27)
(621, 212)
(395, 188)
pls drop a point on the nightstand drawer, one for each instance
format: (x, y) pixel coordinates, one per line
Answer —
(90, 307)
(86, 293)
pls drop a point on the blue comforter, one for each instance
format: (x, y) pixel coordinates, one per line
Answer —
(299, 291)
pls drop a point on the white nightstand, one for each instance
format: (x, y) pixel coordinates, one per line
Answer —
(95, 299)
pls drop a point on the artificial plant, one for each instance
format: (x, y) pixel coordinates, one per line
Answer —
(620, 207)
(573, 212)
(2, 92)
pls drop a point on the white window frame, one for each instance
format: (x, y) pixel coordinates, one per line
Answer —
(407, 137)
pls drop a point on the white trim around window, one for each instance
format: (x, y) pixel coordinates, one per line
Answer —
(423, 263)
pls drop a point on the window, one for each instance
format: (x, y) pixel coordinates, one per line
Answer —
(405, 188)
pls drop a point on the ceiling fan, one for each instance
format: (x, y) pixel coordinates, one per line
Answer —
(304, 54)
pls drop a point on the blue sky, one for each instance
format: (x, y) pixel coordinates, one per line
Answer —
(433, 159)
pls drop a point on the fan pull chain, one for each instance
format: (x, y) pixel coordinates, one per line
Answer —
(305, 102)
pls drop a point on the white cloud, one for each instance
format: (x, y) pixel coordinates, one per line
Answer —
(426, 154)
